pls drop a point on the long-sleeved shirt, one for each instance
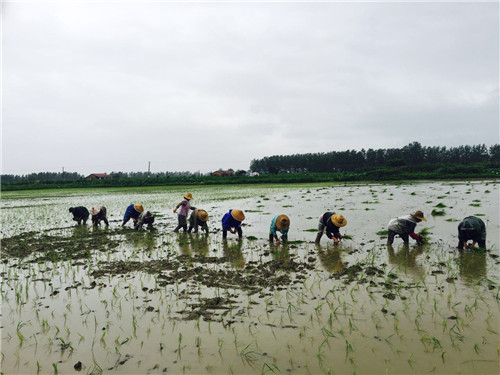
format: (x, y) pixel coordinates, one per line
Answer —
(228, 221)
(194, 222)
(331, 229)
(403, 225)
(274, 228)
(146, 217)
(80, 212)
(472, 228)
(130, 213)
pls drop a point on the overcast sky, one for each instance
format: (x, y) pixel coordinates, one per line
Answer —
(102, 87)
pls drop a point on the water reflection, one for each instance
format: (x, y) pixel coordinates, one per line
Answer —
(330, 259)
(233, 253)
(472, 266)
(406, 258)
(199, 244)
(184, 241)
(80, 231)
(141, 240)
(281, 254)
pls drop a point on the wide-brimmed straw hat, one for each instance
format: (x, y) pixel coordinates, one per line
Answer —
(188, 196)
(95, 210)
(283, 222)
(338, 220)
(203, 215)
(419, 215)
(138, 207)
(238, 215)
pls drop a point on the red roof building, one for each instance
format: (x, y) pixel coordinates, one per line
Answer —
(97, 176)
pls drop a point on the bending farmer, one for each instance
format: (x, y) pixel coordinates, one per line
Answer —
(281, 224)
(404, 226)
(80, 214)
(471, 228)
(331, 223)
(232, 222)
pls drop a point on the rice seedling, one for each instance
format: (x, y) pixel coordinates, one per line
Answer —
(435, 212)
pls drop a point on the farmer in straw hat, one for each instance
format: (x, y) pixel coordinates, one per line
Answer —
(197, 219)
(185, 206)
(281, 224)
(471, 228)
(132, 212)
(80, 214)
(231, 222)
(404, 226)
(98, 213)
(331, 223)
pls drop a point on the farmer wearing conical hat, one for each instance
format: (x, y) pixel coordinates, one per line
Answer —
(185, 206)
(471, 228)
(132, 212)
(80, 214)
(330, 222)
(98, 213)
(231, 222)
(197, 219)
(404, 226)
(280, 223)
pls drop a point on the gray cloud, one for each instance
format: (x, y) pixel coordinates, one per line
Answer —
(197, 86)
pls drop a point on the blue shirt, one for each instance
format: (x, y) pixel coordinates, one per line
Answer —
(228, 221)
(274, 228)
(131, 213)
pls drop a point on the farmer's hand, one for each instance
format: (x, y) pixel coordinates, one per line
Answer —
(277, 241)
(175, 210)
(335, 240)
(232, 231)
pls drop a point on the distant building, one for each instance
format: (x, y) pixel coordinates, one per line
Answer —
(97, 176)
(221, 173)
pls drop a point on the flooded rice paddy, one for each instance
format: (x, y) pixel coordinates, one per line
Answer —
(113, 300)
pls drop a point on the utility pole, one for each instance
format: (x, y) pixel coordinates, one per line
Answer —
(63, 170)
(149, 167)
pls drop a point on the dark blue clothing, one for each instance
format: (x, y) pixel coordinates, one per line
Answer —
(472, 228)
(228, 221)
(130, 213)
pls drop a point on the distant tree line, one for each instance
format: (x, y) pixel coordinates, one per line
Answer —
(414, 154)
(42, 176)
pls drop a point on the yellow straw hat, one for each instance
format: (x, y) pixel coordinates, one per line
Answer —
(203, 215)
(338, 220)
(238, 215)
(95, 210)
(188, 196)
(283, 222)
(138, 207)
(419, 215)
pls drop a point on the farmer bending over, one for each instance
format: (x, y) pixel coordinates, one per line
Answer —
(132, 212)
(232, 222)
(80, 214)
(280, 224)
(471, 228)
(197, 219)
(404, 226)
(146, 217)
(98, 213)
(331, 223)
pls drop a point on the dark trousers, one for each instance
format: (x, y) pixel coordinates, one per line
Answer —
(392, 234)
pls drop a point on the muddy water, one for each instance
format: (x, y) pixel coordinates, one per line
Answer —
(116, 300)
